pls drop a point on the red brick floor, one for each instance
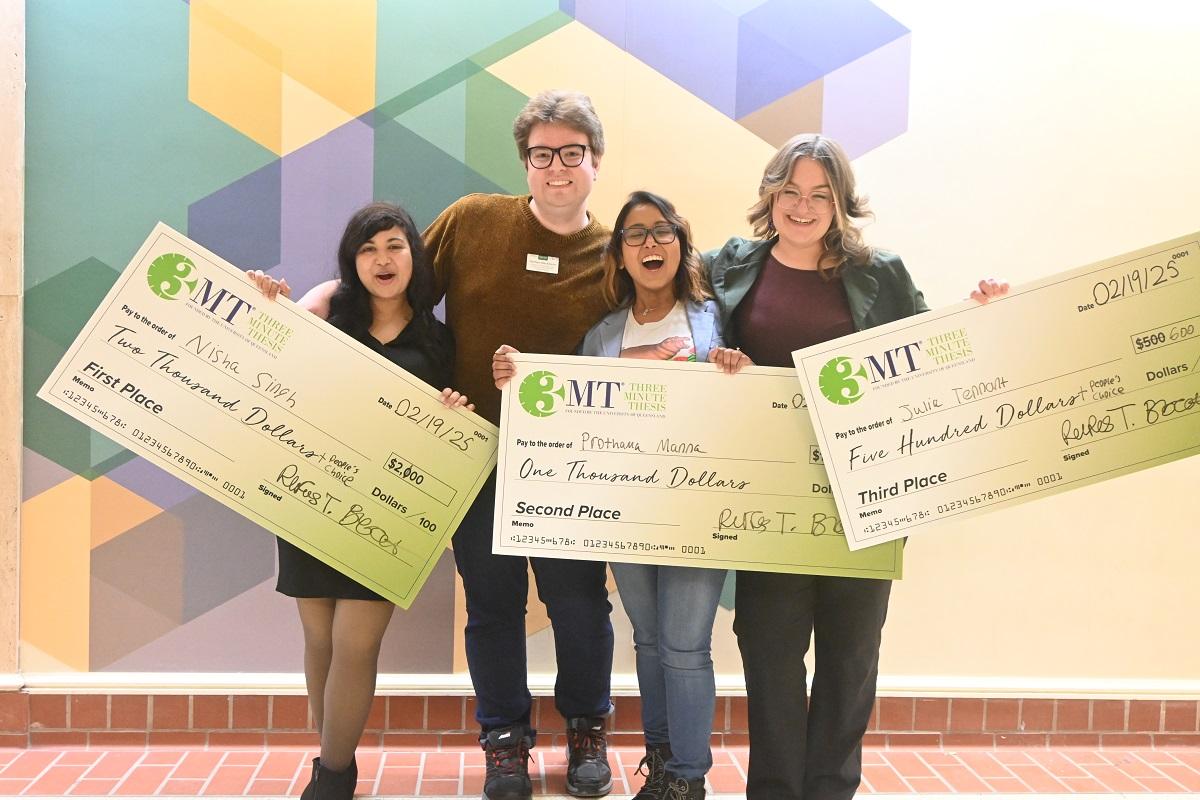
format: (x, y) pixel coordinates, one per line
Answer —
(459, 772)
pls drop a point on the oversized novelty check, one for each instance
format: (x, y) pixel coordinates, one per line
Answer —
(1067, 381)
(667, 463)
(276, 414)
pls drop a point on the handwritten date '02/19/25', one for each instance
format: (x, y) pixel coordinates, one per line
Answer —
(1133, 282)
(433, 423)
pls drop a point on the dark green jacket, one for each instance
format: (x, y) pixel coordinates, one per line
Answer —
(880, 292)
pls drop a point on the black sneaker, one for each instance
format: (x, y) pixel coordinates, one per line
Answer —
(588, 773)
(654, 766)
(507, 753)
(683, 789)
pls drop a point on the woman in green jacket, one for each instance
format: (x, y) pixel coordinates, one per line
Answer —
(806, 279)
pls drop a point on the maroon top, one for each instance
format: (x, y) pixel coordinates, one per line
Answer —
(787, 309)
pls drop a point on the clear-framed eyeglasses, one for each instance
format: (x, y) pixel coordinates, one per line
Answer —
(819, 201)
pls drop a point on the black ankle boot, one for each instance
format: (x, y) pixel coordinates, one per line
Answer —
(329, 785)
(654, 764)
(683, 789)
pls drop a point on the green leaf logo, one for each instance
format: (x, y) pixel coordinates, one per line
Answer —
(841, 382)
(539, 393)
(169, 273)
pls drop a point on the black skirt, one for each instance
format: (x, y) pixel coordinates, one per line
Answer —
(301, 575)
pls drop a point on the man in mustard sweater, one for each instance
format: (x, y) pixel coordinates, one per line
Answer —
(525, 271)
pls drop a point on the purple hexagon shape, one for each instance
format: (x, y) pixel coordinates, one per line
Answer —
(778, 67)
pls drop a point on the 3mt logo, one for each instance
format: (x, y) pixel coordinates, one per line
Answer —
(540, 393)
(169, 273)
(841, 381)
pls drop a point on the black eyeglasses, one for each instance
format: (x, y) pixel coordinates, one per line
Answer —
(663, 233)
(571, 155)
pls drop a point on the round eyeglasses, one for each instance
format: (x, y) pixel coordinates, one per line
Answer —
(570, 155)
(663, 233)
(819, 202)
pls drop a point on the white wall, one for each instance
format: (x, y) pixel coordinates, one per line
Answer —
(1045, 136)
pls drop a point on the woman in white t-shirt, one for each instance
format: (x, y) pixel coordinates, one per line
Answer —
(663, 309)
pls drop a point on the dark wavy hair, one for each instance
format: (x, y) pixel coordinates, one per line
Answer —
(350, 305)
(690, 280)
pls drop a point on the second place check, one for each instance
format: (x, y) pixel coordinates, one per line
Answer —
(668, 463)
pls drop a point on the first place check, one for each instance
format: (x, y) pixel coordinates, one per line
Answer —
(1065, 382)
(656, 462)
(275, 413)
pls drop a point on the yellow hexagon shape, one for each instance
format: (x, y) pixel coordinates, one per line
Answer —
(282, 73)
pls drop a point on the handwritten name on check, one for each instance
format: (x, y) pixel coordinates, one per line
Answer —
(275, 413)
(1071, 380)
(668, 463)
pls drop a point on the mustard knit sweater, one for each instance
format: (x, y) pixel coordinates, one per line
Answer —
(478, 247)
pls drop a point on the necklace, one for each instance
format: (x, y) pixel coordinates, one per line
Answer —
(645, 311)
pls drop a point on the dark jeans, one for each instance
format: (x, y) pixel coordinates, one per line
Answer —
(813, 750)
(497, 587)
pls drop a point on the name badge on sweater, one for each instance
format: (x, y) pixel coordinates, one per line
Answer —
(536, 263)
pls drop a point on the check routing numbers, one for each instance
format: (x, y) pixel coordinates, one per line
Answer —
(627, 460)
(272, 411)
(1085, 376)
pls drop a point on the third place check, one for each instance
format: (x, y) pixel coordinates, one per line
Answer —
(668, 463)
(1074, 379)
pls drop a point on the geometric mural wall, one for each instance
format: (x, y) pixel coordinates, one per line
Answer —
(839, 67)
(258, 139)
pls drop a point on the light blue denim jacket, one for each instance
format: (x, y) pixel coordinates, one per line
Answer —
(604, 338)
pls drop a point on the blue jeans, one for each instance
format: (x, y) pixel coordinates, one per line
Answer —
(672, 610)
(496, 587)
